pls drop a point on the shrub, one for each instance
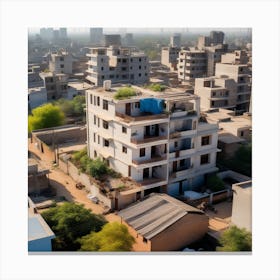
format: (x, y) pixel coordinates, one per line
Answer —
(235, 239)
(157, 87)
(214, 183)
(96, 168)
(124, 93)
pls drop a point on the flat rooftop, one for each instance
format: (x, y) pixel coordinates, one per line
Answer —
(170, 94)
(38, 228)
(235, 122)
(155, 214)
(79, 85)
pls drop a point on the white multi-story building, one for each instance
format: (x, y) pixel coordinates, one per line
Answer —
(120, 65)
(165, 150)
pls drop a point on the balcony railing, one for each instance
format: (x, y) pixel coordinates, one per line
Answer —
(128, 118)
(151, 160)
(149, 181)
(148, 139)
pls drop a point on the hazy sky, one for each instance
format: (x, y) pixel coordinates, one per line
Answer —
(72, 30)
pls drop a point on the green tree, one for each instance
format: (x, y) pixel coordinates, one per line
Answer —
(214, 183)
(66, 106)
(69, 222)
(45, 116)
(113, 237)
(235, 239)
(79, 102)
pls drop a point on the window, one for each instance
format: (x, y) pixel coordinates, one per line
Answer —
(102, 59)
(119, 60)
(98, 122)
(94, 100)
(98, 101)
(214, 93)
(124, 76)
(124, 60)
(241, 133)
(102, 68)
(139, 75)
(142, 152)
(212, 103)
(111, 68)
(124, 150)
(105, 125)
(98, 139)
(124, 129)
(140, 67)
(205, 140)
(102, 77)
(94, 137)
(90, 99)
(62, 59)
(106, 143)
(182, 162)
(112, 76)
(123, 68)
(131, 60)
(146, 74)
(61, 65)
(140, 59)
(204, 159)
(94, 119)
(175, 144)
(137, 105)
(105, 105)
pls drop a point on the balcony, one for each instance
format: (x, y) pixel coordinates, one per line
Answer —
(150, 181)
(181, 173)
(127, 118)
(148, 139)
(182, 113)
(151, 160)
(181, 133)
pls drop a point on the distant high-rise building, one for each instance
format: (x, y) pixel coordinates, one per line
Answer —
(112, 40)
(217, 37)
(46, 33)
(63, 33)
(128, 39)
(56, 36)
(175, 40)
(96, 35)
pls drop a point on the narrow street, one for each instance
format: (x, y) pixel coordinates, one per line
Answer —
(66, 186)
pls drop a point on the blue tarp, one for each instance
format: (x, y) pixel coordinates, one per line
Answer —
(152, 105)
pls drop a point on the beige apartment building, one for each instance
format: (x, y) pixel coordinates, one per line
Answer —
(167, 151)
(120, 65)
(61, 62)
(231, 86)
(169, 57)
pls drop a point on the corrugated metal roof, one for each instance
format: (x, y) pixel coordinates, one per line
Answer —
(156, 213)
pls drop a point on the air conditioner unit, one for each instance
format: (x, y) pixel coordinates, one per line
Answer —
(107, 85)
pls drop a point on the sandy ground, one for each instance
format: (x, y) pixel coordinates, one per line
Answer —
(66, 186)
(221, 220)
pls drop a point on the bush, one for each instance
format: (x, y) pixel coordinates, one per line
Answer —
(96, 168)
(235, 239)
(157, 87)
(45, 116)
(214, 183)
(113, 237)
(124, 93)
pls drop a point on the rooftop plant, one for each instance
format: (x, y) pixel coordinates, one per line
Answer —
(156, 87)
(124, 93)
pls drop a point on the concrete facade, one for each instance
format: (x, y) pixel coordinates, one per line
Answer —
(61, 63)
(120, 65)
(37, 97)
(169, 57)
(242, 205)
(169, 151)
